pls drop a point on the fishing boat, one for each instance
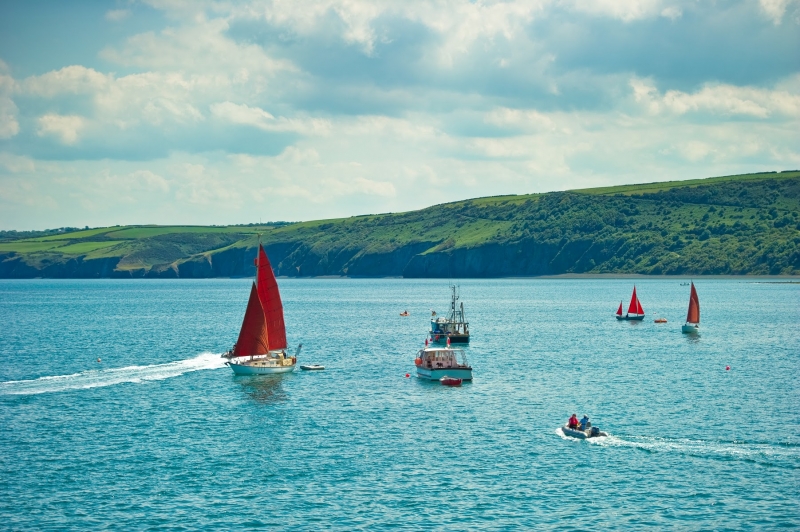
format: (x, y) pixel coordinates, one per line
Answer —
(589, 432)
(261, 346)
(635, 310)
(454, 327)
(435, 363)
(692, 324)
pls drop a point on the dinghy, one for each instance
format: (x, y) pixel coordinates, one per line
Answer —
(450, 381)
(590, 432)
(312, 367)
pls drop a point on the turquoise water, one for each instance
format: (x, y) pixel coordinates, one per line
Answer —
(161, 435)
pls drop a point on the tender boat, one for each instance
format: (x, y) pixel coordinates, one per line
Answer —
(635, 310)
(450, 381)
(404, 313)
(261, 347)
(312, 367)
(660, 320)
(590, 432)
(454, 327)
(434, 363)
(692, 324)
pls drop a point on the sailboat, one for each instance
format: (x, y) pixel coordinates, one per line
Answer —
(692, 324)
(261, 347)
(635, 310)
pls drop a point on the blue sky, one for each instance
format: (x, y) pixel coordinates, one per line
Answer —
(202, 112)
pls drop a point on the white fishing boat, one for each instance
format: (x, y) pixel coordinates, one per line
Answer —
(692, 324)
(589, 432)
(261, 347)
(454, 327)
(434, 363)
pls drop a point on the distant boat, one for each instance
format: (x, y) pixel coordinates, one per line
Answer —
(660, 320)
(450, 381)
(635, 310)
(404, 313)
(261, 347)
(312, 367)
(454, 327)
(692, 324)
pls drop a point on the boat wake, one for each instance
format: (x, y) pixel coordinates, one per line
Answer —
(772, 454)
(109, 377)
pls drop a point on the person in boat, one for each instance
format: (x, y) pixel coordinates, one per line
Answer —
(584, 422)
(573, 422)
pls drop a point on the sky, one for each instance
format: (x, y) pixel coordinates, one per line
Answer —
(204, 112)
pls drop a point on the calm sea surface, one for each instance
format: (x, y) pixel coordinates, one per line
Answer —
(161, 435)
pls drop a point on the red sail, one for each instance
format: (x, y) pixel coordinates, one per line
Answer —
(619, 310)
(271, 301)
(693, 316)
(253, 335)
(635, 307)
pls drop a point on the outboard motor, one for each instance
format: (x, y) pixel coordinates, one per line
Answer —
(595, 431)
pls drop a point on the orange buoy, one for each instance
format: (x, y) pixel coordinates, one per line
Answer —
(417, 361)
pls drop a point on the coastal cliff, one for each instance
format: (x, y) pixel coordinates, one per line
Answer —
(737, 225)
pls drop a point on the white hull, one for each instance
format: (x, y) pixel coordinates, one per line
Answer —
(436, 374)
(581, 434)
(262, 366)
(690, 329)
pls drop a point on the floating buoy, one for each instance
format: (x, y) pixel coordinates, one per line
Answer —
(407, 375)
(98, 359)
(727, 368)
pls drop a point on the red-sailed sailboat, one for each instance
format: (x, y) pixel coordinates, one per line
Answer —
(692, 324)
(261, 347)
(635, 310)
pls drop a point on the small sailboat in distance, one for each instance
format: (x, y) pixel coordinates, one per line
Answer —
(261, 347)
(692, 324)
(635, 310)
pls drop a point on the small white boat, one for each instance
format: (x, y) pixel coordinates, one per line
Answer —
(312, 367)
(436, 362)
(590, 432)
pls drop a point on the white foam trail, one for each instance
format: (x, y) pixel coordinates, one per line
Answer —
(108, 377)
(761, 452)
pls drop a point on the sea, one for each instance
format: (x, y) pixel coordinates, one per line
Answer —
(117, 412)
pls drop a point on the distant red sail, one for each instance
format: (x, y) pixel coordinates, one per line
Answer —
(253, 334)
(693, 316)
(270, 301)
(619, 310)
(635, 307)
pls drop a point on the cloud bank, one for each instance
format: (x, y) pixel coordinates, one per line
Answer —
(231, 112)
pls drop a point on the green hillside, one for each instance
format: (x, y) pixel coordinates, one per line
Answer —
(746, 224)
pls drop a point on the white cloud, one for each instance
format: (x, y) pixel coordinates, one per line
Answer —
(775, 9)
(17, 164)
(261, 119)
(719, 99)
(375, 188)
(74, 79)
(65, 128)
(117, 15)
(9, 126)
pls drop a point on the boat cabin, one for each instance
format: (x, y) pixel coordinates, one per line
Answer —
(442, 358)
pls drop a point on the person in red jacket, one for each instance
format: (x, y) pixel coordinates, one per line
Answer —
(573, 421)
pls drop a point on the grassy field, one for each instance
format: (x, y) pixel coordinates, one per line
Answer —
(746, 224)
